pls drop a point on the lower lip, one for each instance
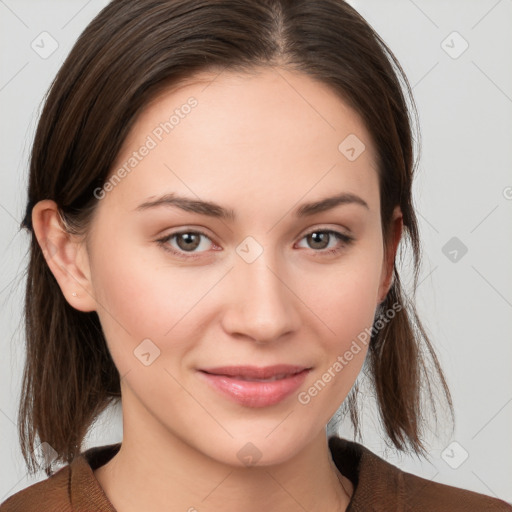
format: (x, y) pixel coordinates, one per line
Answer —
(256, 394)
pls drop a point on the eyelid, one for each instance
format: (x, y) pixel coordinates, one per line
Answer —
(328, 230)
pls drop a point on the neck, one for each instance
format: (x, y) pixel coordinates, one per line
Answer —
(155, 470)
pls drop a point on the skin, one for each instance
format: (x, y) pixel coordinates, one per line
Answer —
(261, 144)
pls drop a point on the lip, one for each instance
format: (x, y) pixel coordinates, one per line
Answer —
(253, 386)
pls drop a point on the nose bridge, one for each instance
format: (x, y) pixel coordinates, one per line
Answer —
(262, 305)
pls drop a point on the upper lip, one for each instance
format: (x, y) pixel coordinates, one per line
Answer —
(255, 372)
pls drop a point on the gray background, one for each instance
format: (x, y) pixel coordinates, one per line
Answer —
(463, 190)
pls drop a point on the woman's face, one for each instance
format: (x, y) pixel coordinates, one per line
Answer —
(213, 256)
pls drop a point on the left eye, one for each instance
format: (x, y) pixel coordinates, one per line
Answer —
(319, 237)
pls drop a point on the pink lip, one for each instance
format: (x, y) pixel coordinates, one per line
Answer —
(245, 384)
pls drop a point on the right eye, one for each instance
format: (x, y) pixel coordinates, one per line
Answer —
(187, 241)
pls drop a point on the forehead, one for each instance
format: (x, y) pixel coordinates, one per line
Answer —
(271, 134)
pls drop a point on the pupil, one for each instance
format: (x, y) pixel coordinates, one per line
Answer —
(316, 236)
(189, 240)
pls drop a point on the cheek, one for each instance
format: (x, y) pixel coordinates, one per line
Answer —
(139, 300)
(344, 296)
(348, 312)
(344, 300)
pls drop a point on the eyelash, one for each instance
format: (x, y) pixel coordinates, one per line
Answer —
(344, 239)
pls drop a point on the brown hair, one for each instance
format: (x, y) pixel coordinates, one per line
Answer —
(132, 51)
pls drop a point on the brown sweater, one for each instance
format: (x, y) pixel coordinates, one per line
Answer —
(378, 487)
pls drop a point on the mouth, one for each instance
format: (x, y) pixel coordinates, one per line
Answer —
(253, 386)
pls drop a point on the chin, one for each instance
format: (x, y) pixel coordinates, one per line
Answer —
(260, 450)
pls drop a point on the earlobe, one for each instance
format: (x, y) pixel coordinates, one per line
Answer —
(65, 255)
(389, 257)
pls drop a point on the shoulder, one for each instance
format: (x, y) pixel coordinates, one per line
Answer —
(381, 486)
(51, 494)
(73, 488)
(420, 494)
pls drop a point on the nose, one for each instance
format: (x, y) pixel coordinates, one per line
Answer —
(263, 307)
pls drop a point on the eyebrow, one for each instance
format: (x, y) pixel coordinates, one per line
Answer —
(214, 210)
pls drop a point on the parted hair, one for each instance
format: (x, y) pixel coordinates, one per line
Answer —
(134, 50)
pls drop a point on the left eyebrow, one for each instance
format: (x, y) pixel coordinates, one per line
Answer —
(309, 209)
(215, 210)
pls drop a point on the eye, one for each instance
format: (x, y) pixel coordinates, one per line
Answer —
(319, 239)
(187, 242)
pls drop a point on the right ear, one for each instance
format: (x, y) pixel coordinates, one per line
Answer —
(65, 254)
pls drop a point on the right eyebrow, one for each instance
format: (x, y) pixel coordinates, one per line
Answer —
(190, 205)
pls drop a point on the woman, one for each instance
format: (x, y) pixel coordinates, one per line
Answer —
(273, 138)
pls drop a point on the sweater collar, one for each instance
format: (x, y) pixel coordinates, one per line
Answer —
(86, 492)
(372, 477)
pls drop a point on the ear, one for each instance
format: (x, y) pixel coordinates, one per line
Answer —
(389, 254)
(65, 254)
